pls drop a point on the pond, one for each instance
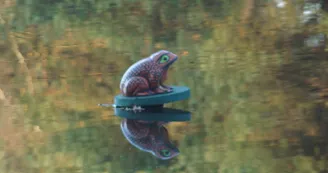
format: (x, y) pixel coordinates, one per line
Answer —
(257, 73)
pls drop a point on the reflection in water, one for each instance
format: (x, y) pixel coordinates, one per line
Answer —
(316, 41)
(146, 131)
(150, 137)
(60, 58)
(311, 12)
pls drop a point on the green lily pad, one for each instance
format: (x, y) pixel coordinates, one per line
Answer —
(178, 93)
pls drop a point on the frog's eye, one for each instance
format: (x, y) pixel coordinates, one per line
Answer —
(165, 153)
(164, 59)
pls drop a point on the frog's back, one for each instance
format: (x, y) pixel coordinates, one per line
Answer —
(143, 143)
(140, 68)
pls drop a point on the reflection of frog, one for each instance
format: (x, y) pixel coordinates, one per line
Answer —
(146, 76)
(149, 137)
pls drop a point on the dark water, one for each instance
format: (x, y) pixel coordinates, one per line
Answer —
(257, 71)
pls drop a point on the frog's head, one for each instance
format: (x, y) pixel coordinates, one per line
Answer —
(162, 147)
(166, 151)
(164, 58)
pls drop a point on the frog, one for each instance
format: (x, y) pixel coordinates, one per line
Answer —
(147, 76)
(149, 137)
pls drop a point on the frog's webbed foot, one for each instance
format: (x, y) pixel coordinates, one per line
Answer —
(160, 90)
(166, 88)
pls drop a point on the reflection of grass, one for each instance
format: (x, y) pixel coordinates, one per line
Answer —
(15, 137)
(11, 127)
(230, 68)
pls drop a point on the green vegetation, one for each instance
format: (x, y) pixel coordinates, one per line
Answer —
(251, 104)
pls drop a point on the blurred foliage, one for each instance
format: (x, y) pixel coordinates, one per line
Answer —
(257, 104)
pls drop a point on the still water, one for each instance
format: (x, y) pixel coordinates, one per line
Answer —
(257, 72)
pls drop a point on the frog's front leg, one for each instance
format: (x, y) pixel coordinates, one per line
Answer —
(165, 86)
(154, 81)
(168, 88)
(163, 78)
(162, 89)
(159, 90)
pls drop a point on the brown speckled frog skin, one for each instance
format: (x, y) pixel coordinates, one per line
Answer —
(149, 137)
(146, 76)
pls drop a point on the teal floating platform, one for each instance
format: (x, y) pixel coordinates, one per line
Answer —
(178, 93)
(164, 114)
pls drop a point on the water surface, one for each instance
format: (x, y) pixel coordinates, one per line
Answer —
(257, 71)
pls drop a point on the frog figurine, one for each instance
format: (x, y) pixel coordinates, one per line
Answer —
(149, 137)
(146, 76)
